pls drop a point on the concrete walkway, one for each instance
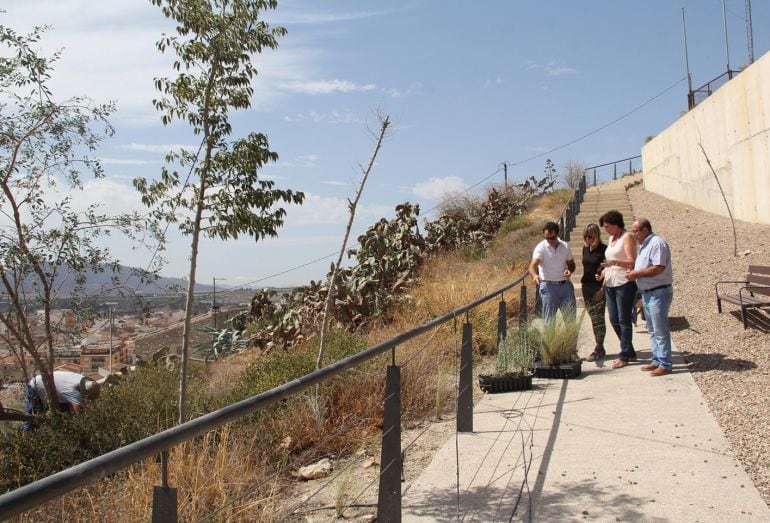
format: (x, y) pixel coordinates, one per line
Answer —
(612, 445)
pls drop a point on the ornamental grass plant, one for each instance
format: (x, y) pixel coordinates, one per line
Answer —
(558, 343)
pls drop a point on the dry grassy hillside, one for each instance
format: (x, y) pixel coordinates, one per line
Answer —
(243, 471)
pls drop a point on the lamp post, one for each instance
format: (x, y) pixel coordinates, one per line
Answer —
(214, 305)
(110, 304)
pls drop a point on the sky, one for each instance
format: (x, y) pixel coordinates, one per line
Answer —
(468, 86)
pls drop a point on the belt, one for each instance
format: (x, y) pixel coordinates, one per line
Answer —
(658, 287)
(556, 282)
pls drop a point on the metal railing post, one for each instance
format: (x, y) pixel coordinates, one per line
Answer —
(502, 324)
(614, 171)
(523, 306)
(164, 502)
(465, 394)
(630, 167)
(389, 497)
(594, 177)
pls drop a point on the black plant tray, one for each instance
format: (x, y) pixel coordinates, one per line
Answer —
(505, 382)
(558, 372)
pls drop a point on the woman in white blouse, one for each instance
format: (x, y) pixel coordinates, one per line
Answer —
(619, 292)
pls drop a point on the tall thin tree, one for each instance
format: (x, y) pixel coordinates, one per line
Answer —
(222, 192)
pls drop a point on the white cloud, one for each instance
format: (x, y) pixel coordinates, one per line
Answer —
(435, 188)
(336, 183)
(326, 86)
(122, 161)
(414, 89)
(305, 17)
(492, 82)
(157, 148)
(334, 117)
(326, 210)
(552, 68)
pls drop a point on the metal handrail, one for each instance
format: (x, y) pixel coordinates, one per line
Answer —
(613, 163)
(51, 487)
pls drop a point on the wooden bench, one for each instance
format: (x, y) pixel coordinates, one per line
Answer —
(754, 291)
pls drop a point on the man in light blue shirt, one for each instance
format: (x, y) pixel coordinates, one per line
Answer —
(654, 278)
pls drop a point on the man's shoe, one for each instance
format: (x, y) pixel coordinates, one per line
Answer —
(660, 371)
(647, 368)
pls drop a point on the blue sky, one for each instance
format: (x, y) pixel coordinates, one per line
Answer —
(468, 85)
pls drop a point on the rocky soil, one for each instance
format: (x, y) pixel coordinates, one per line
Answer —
(730, 365)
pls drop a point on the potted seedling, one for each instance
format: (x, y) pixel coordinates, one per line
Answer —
(514, 362)
(558, 349)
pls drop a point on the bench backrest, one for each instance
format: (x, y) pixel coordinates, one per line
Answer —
(759, 275)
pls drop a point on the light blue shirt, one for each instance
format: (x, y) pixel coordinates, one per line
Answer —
(654, 251)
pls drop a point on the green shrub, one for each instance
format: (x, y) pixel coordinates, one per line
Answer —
(516, 352)
(514, 224)
(281, 366)
(142, 404)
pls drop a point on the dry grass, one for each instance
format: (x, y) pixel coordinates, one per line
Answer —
(223, 468)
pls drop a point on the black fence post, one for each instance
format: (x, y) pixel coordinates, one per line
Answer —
(614, 171)
(164, 502)
(523, 306)
(502, 325)
(389, 497)
(630, 168)
(465, 394)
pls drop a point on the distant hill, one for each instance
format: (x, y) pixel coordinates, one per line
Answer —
(104, 283)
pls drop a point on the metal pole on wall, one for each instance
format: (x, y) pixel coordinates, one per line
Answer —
(727, 45)
(749, 32)
(690, 97)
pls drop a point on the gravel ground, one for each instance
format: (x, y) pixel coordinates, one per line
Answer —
(730, 365)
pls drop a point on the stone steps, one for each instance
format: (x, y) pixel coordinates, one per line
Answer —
(597, 201)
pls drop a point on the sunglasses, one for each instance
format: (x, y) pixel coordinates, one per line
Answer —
(551, 238)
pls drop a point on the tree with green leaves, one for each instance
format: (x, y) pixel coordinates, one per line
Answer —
(216, 190)
(47, 236)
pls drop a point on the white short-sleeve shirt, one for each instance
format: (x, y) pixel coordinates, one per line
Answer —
(553, 260)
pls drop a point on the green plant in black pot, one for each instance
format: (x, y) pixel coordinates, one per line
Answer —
(514, 362)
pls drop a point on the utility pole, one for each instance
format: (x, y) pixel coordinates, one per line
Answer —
(505, 176)
(110, 304)
(214, 306)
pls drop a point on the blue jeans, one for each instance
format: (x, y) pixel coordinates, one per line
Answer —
(620, 302)
(555, 297)
(657, 303)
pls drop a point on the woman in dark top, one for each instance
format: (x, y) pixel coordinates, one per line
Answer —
(593, 294)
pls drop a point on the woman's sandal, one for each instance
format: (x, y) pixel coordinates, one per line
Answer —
(619, 364)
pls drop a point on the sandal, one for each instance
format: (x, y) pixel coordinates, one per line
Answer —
(596, 355)
(619, 364)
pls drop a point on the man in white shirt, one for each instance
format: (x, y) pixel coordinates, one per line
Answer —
(551, 267)
(71, 390)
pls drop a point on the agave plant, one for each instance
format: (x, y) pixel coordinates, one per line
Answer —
(558, 343)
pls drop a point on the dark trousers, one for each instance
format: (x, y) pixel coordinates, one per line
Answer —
(595, 310)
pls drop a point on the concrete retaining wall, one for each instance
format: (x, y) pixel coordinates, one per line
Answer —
(733, 125)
